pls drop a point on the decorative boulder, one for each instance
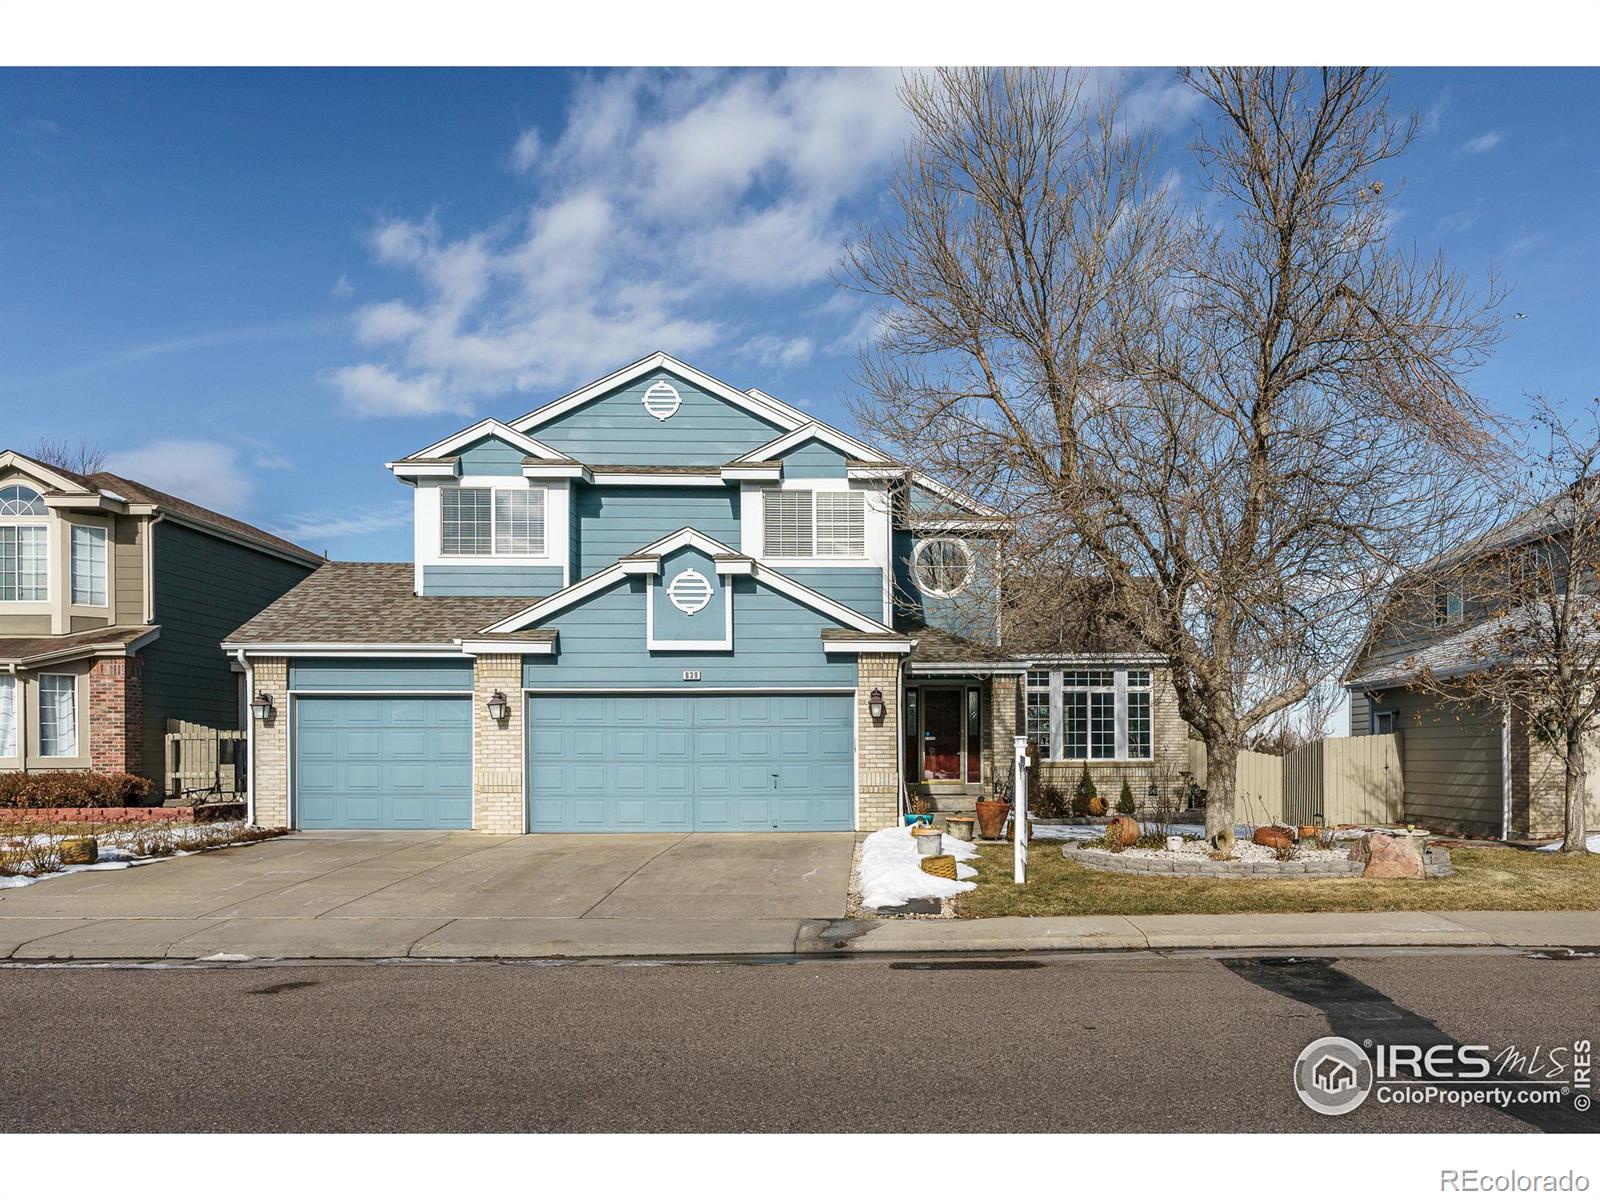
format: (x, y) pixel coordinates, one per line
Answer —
(1274, 837)
(1124, 829)
(78, 851)
(1388, 857)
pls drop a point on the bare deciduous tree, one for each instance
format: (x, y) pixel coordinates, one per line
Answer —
(83, 457)
(1531, 637)
(1238, 424)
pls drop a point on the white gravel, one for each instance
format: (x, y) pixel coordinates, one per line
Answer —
(1242, 852)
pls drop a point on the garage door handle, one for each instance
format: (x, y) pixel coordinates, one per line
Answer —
(774, 781)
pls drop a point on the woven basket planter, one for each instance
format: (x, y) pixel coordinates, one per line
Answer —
(942, 865)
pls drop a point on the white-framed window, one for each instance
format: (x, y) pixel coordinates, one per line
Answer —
(24, 562)
(88, 564)
(806, 524)
(943, 566)
(480, 521)
(1448, 604)
(19, 501)
(8, 716)
(1090, 714)
(58, 716)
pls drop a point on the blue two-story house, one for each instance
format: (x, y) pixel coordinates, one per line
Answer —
(656, 603)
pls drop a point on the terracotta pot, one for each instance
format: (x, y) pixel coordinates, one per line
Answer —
(1274, 837)
(1310, 831)
(1125, 829)
(1097, 806)
(991, 817)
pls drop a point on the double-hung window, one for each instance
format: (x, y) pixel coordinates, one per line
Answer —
(1089, 714)
(88, 564)
(476, 521)
(8, 716)
(807, 524)
(58, 716)
(24, 573)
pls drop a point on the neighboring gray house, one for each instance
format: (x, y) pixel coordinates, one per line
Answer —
(661, 602)
(114, 599)
(1469, 767)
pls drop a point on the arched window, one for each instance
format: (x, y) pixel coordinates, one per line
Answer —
(19, 501)
(943, 566)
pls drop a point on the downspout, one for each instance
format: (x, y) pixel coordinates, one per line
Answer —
(900, 741)
(21, 699)
(249, 739)
(1505, 772)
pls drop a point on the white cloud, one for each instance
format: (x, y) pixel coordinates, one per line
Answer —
(1483, 143)
(320, 527)
(342, 288)
(208, 473)
(664, 198)
(1161, 104)
(770, 350)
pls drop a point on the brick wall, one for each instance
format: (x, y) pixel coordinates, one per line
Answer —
(1169, 749)
(271, 765)
(1538, 784)
(116, 716)
(1001, 730)
(498, 804)
(877, 743)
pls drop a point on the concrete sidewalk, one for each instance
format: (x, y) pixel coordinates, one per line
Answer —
(47, 938)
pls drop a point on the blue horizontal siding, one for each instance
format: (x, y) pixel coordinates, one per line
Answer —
(859, 587)
(812, 459)
(971, 614)
(613, 521)
(614, 428)
(491, 456)
(776, 642)
(475, 580)
(380, 674)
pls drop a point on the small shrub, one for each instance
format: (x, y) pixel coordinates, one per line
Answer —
(1048, 803)
(1286, 853)
(1125, 804)
(72, 789)
(1083, 793)
(1111, 840)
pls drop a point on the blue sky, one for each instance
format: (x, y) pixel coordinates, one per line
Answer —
(254, 287)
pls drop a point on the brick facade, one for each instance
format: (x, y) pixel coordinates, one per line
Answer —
(1538, 781)
(877, 743)
(1169, 748)
(270, 767)
(1003, 697)
(498, 803)
(116, 716)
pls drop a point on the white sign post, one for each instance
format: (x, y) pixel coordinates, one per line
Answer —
(1019, 811)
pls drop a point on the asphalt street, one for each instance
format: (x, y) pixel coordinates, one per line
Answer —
(1045, 1043)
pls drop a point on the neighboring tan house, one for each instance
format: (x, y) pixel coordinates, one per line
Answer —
(114, 599)
(1469, 767)
(660, 602)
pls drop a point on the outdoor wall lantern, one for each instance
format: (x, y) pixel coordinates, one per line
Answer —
(1155, 792)
(499, 710)
(261, 707)
(875, 704)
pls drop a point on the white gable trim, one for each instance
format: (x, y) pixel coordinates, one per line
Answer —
(765, 407)
(39, 470)
(807, 432)
(959, 499)
(490, 427)
(638, 563)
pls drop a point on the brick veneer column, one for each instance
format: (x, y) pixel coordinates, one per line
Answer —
(1545, 812)
(116, 716)
(498, 802)
(271, 765)
(1003, 691)
(877, 743)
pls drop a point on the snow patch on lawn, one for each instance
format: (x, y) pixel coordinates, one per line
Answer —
(892, 874)
(1592, 841)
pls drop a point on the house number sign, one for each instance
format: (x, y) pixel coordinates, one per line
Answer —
(691, 676)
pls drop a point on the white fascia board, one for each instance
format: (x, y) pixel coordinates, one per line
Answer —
(639, 565)
(735, 566)
(345, 649)
(96, 501)
(413, 470)
(490, 426)
(934, 524)
(857, 646)
(812, 430)
(557, 601)
(475, 647)
(778, 413)
(963, 668)
(651, 479)
(752, 474)
(1057, 660)
(811, 598)
(876, 471)
(557, 471)
(960, 499)
(686, 536)
(42, 471)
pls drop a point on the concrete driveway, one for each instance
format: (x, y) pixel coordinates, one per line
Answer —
(369, 894)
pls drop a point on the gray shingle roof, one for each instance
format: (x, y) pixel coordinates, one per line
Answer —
(20, 650)
(371, 602)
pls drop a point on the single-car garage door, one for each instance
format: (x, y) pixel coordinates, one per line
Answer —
(713, 762)
(383, 762)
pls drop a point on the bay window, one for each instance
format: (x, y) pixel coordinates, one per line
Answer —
(806, 524)
(480, 521)
(1089, 714)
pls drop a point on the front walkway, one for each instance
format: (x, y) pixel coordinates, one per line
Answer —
(376, 894)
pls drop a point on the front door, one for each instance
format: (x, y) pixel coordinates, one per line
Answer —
(942, 714)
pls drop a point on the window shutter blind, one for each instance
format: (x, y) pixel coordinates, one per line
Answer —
(787, 521)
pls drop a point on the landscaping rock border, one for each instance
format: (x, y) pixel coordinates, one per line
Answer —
(1436, 863)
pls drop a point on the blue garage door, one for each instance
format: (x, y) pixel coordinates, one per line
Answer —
(384, 762)
(731, 762)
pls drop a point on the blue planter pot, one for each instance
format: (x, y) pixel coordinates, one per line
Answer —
(919, 818)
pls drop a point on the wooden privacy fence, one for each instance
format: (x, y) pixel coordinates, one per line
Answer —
(1349, 780)
(203, 760)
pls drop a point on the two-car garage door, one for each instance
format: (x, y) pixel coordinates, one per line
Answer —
(692, 762)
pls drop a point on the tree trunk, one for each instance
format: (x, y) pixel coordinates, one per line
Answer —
(1577, 794)
(1222, 777)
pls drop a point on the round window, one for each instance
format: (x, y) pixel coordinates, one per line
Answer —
(943, 566)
